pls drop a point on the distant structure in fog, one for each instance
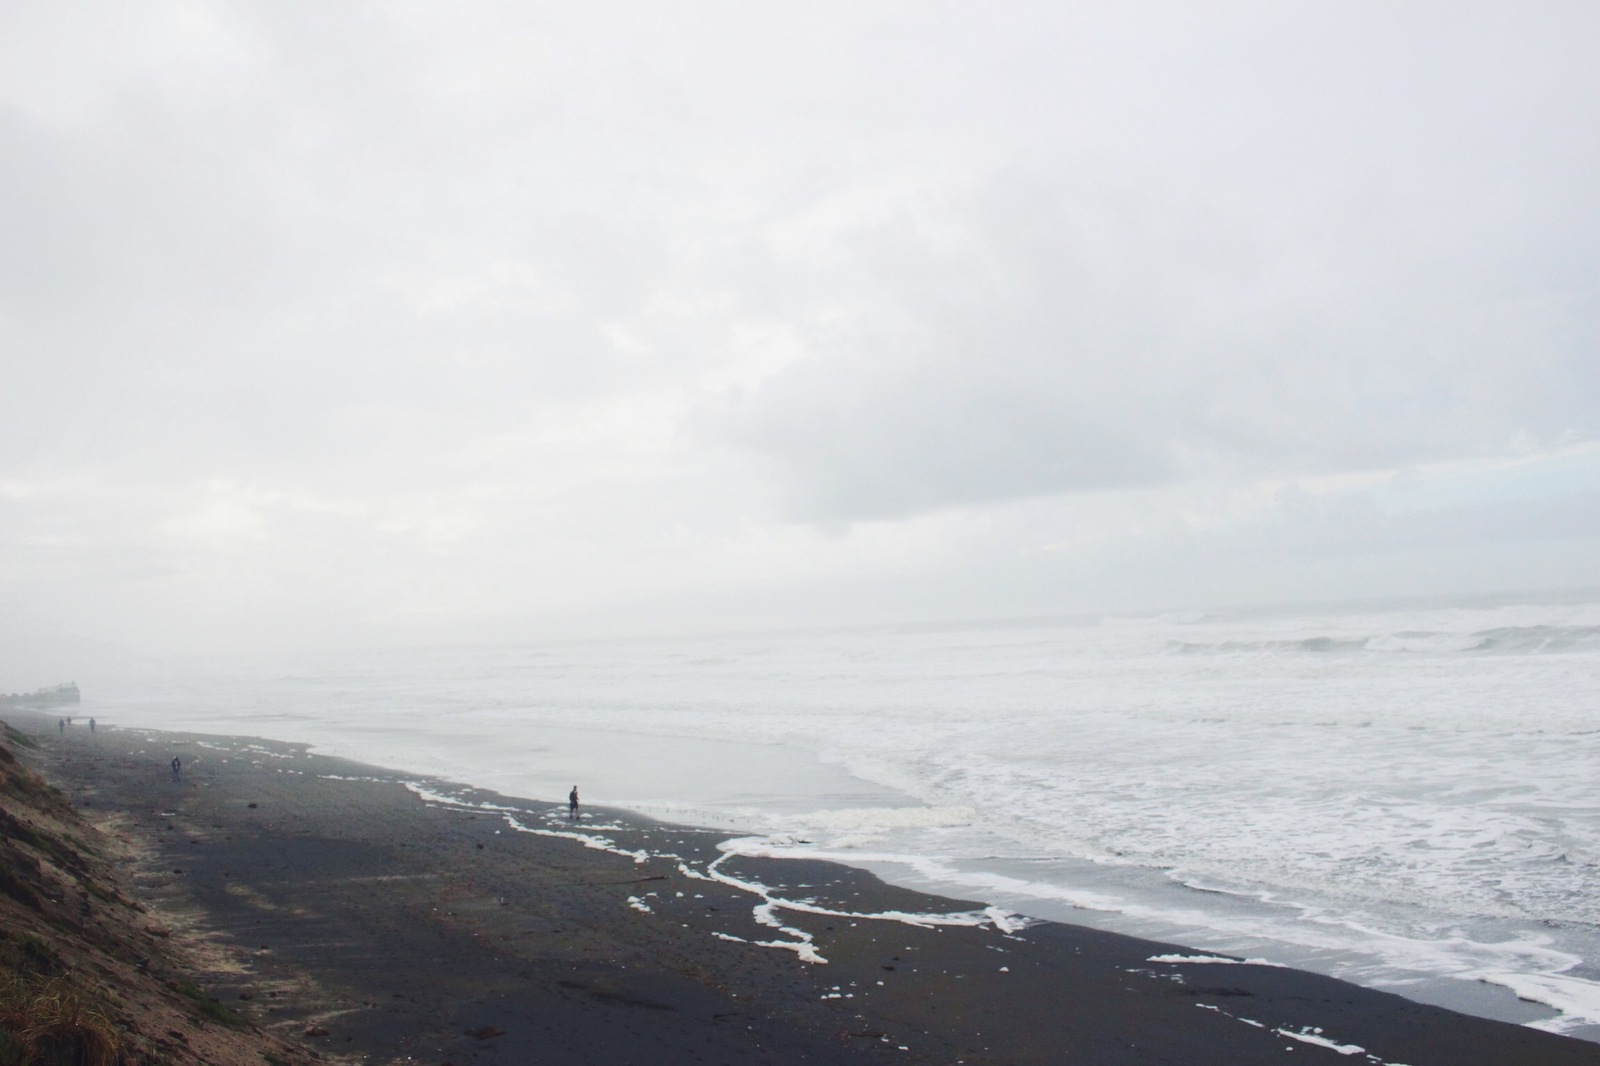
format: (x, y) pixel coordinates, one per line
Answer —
(45, 697)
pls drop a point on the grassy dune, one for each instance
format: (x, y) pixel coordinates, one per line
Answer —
(87, 977)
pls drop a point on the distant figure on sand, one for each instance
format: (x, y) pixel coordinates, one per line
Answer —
(572, 803)
(61, 725)
(91, 725)
(177, 766)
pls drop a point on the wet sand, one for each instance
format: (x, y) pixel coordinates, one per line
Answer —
(340, 907)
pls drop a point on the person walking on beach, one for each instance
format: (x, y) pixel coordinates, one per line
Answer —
(61, 725)
(572, 804)
(91, 725)
(177, 766)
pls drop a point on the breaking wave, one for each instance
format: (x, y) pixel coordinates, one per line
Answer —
(1509, 640)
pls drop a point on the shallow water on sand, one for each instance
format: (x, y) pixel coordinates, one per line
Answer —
(1403, 797)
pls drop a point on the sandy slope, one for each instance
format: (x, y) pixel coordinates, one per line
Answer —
(73, 935)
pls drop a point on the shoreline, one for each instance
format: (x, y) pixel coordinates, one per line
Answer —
(1137, 900)
(341, 886)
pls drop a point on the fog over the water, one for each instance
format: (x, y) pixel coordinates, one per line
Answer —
(370, 324)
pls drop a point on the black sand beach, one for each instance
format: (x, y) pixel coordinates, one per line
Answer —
(336, 907)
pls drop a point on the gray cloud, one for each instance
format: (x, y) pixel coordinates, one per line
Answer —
(1083, 338)
(356, 316)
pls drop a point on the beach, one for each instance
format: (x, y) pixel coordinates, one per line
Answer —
(1398, 797)
(378, 917)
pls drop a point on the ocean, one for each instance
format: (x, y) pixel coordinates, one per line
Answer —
(1404, 796)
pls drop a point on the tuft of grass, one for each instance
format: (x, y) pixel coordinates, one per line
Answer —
(210, 1007)
(18, 737)
(22, 783)
(28, 957)
(12, 885)
(50, 1024)
(102, 893)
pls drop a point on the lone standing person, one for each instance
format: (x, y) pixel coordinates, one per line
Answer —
(572, 803)
(177, 766)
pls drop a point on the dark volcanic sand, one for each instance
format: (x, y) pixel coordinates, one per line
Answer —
(337, 899)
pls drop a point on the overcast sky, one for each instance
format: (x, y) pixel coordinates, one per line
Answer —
(358, 324)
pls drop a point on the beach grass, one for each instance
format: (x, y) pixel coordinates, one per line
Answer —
(51, 1022)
